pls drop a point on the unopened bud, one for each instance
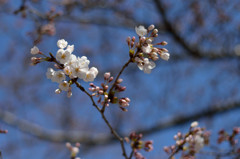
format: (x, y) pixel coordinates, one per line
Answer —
(58, 91)
(149, 41)
(110, 79)
(132, 44)
(162, 43)
(128, 40)
(194, 124)
(164, 50)
(106, 87)
(127, 99)
(133, 38)
(119, 80)
(151, 27)
(122, 88)
(69, 94)
(143, 39)
(155, 35)
(155, 31)
(107, 75)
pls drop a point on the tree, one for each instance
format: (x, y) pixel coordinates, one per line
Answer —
(199, 82)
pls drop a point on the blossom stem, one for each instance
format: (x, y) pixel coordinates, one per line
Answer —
(105, 119)
(131, 155)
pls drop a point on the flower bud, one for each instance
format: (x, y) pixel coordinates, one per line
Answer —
(149, 41)
(151, 27)
(58, 91)
(107, 75)
(133, 39)
(155, 31)
(119, 80)
(194, 124)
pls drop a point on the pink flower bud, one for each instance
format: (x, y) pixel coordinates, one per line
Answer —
(133, 39)
(155, 35)
(92, 85)
(107, 75)
(110, 79)
(100, 92)
(155, 31)
(106, 87)
(151, 27)
(69, 94)
(119, 80)
(128, 40)
(58, 91)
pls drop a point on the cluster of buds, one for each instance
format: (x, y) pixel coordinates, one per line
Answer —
(68, 65)
(190, 143)
(73, 149)
(231, 138)
(137, 144)
(103, 92)
(146, 51)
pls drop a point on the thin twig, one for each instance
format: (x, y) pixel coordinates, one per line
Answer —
(53, 59)
(131, 155)
(105, 119)
(115, 82)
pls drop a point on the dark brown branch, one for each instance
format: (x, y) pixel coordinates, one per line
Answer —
(78, 136)
(190, 50)
(118, 137)
(173, 32)
(116, 79)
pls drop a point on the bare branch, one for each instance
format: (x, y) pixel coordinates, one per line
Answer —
(78, 136)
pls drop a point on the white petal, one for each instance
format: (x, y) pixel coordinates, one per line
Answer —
(34, 50)
(140, 30)
(62, 43)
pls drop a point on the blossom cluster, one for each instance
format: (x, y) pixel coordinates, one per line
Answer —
(106, 97)
(146, 51)
(137, 144)
(73, 149)
(68, 65)
(190, 143)
(231, 138)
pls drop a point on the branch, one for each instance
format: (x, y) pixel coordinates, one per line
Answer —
(190, 50)
(78, 136)
(118, 137)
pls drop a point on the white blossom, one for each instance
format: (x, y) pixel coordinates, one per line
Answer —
(145, 65)
(50, 73)
(91, 74)
(70, 48)
(62, 43)
(165, 56)
(199, 142)
(72, 59)
(64, 86)
(79, 69)
(63, 56)
(34, 50)
(151, 27)
(58, 76)
(67, 70)
(194, 124)
(147, 49)
(141, 31)
(74, 151)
